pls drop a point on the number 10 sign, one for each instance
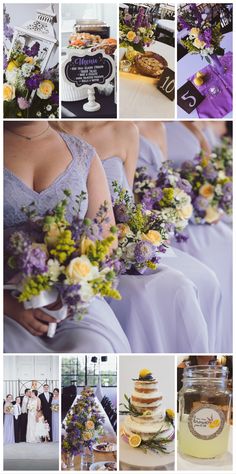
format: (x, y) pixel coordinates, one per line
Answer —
(166, 83)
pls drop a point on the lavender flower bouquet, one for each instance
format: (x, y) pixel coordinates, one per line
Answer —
(142, 234)
(211, 181)
(166, 196)
(56, 260)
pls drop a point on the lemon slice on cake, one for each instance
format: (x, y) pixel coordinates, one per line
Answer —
(135, 440)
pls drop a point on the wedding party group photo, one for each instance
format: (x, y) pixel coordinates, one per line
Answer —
(31, 413)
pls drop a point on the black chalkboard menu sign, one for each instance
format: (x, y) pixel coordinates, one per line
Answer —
(90, 69)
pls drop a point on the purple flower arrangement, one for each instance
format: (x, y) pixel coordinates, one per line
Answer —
(142, 235)
(167, 196)
(72, 258)
(202, 35)
(211, 180)
(28, 92)
(83, 425)
(136, 31)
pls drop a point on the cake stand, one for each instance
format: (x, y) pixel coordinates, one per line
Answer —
(137, 459)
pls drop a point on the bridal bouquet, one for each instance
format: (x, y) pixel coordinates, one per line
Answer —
(57, 260)
(27, 90)
(203, 35)
(83, 426)
(142, 235)
(136, 31)
(55, 407)
(211, 192)
(167, 196)
(9, 409)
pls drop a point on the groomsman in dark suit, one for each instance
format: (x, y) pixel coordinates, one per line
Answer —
(46, 401)
(24, 413)
(17, 420)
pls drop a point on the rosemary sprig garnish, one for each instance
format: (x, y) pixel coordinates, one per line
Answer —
(156, 445)
(130, 408)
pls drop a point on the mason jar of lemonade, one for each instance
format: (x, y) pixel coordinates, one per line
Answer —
(204, 411)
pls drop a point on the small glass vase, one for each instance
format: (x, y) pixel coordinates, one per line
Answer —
(70, 462)
(216, 64)
(87, 458)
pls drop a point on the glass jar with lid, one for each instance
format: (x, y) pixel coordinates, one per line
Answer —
(204, 411)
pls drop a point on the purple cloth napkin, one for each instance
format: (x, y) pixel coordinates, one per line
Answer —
(220, 104)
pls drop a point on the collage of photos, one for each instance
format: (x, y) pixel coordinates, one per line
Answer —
(118, 331)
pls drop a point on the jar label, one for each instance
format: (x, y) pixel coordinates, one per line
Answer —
(206, 422)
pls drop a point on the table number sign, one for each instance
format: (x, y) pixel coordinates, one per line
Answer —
(188, 97)
(88, 70)
(166, 83)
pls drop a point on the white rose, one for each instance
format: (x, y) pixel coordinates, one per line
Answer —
(86, 292)
(80, 269)
(185, 212)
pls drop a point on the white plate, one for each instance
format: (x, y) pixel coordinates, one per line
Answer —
(113, 445)
(95, 466)
(136, 458)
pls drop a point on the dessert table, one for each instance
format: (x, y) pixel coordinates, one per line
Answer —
(139, 96)
(187, 67)
(108, 436)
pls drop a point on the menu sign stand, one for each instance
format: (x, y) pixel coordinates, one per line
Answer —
(87, 71)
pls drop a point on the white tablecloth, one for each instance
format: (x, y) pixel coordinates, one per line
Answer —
(141, 98)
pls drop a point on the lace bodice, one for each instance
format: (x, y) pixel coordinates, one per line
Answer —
(74, 178)
(182, 143)
(150, 156)
(115, 171)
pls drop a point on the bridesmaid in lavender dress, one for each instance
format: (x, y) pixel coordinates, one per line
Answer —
(55, 416)
(8, 430)
(211, 244)
(159, 312)
(152, 152)
(39, 164)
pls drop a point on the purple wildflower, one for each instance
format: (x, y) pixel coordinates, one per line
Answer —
(208, 36)
(33, 82)
(184, 185)
(136, 40)
(227, 192)
(200, 203)
(18, 243)
(70, 295)
(34, 261)
(33, 51)
(120, 212)
(23, 103)
(209, 172)
(54, 99)
(144, 251)
(8, 32)
(183, 23)
(187, 166)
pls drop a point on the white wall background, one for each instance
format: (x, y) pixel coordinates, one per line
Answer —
(22, 12)
(87, 11)
(162, 367)
(30, 368)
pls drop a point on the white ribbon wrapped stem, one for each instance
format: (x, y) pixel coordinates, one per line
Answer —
(44, 299)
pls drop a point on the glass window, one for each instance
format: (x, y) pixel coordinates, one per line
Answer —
(84, 370)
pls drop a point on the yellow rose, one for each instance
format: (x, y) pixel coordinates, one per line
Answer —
(29, 60)
(52, 235)
(11, 65)
(81, 269)
(9, 92)
(89, 425)
(212, 215)
(194, 32)
(85, 244)
(207, 191)
(185, 212)
(153, 236)
(198, 43)
(45, 89)
(123, 230)
(131, 35)
(87, 435)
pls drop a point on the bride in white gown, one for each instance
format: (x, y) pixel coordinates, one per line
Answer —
(34, 406)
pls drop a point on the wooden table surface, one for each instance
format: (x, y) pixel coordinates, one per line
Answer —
(108, 436)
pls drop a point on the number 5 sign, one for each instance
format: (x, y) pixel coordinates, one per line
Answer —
(166, 83)
(188, 97)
